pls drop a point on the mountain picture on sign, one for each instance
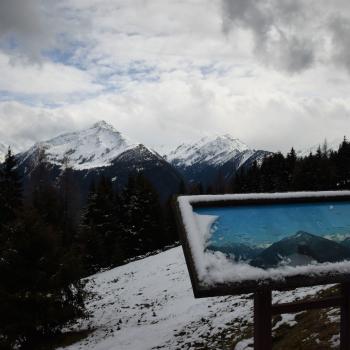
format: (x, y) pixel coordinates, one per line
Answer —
(280, 235)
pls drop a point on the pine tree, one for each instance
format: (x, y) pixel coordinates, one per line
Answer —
(70, 201)
(142, 220)
(342, 162)
(291, 161)
(101, 230)
(40, 288)
(44, 192)
(182, 188)
(10, 189)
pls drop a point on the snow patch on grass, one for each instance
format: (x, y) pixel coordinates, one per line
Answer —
(149, 304)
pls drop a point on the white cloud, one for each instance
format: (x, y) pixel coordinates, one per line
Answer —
(45, 79)
(274, 73)
(258, 108)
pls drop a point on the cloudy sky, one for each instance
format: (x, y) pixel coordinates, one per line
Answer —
(272, 73)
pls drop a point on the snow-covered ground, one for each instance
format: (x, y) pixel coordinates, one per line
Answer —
(148, 304)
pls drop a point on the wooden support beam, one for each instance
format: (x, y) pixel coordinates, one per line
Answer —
(290, 308)
(262, 320)
(263, 311)
(345, 317)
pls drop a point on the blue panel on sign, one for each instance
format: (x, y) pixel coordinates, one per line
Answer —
(275, 235)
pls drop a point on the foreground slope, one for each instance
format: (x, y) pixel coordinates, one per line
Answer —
(148, 304)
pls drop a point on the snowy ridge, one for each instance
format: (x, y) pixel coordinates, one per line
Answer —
(149, 304)
(94, 147)
(213, 150)
(244, 156)
(4, 149)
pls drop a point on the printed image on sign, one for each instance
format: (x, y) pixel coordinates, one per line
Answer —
(281, 234)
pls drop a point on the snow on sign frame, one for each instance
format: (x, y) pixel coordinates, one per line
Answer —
(243, 243)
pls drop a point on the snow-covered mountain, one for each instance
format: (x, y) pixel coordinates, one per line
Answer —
(212, 156)
(90, 148)
(149, 304)
(102, 150)
(212, 150)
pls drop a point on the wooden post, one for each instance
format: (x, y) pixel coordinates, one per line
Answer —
(262, 320)
(345, 317)
(263, 311)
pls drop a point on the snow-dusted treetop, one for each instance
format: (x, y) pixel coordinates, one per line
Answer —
(3, 151)
(332, 145)
(90, 148)
(214, 150)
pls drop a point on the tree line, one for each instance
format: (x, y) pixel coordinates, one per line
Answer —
(324, 170)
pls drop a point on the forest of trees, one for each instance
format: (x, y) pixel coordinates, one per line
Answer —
(49, 241)
(324, 170)
(47, 244)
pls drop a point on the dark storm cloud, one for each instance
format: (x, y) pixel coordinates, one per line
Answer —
(30, 27)
(340, 30)
(282, 32)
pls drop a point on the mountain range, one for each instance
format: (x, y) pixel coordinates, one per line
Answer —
(101, 149)
(301, 248)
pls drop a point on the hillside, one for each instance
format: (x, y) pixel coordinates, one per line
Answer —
(148, 304)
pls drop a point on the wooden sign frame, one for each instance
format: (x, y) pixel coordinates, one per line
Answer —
(249, 286)
(263, 307)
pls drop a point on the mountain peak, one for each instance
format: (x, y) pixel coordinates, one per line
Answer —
(225, 140)
(102, 124)
(93, 147)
